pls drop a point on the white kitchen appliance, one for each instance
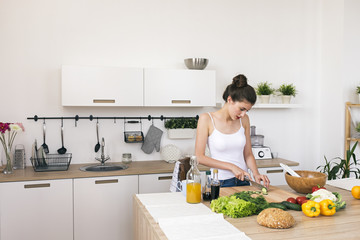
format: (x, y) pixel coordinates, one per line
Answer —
(257, 141)
(261, 152)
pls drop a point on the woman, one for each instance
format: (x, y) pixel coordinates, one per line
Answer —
(227, 133)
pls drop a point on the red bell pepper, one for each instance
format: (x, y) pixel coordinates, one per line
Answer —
(315, 188)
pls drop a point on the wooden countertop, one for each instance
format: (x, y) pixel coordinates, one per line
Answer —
(343, 224)
(135, 168)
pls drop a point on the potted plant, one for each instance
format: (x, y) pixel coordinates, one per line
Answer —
(264, 90)
(287, 91)
(357, 129)
(342, 168)
(178, 128)
(358, 92)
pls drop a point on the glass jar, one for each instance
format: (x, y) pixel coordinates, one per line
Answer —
(126, 158)
(193, 182)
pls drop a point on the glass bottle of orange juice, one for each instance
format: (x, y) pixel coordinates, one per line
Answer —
(193, 182)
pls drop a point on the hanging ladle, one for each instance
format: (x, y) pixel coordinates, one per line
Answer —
(97, 146)
(45, 147)
(62, 150)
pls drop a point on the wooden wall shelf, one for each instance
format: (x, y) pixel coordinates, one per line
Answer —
(348, 138)
(269, 105)
(277, 105)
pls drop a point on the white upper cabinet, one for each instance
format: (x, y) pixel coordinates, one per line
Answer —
(101, 86)
(179, 87)
(117, 86)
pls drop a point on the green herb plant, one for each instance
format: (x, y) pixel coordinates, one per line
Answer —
(358, 89)
(357, 128)
(287, 89)
(181, 123)
(335, 169)
(264, 88)
(259, 200)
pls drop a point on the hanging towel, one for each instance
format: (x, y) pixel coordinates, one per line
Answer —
(152, 140)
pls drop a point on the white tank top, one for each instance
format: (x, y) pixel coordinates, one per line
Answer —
(228, 148)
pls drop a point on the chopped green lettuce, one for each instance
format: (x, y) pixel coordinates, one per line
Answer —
(233, 207)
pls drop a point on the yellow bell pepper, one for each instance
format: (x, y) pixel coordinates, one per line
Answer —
(311, 208)
(327, 207)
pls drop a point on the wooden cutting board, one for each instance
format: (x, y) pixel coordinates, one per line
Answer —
(275, 194)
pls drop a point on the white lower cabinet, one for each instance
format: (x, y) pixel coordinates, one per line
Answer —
(40, 210)
(276, 175)
(103, 207)
(154, 183)
(157, 183)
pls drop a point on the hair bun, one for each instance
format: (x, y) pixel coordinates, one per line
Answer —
(240, 81)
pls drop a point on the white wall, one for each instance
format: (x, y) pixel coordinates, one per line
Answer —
(331, 106)
(278, 41)
(351, 73)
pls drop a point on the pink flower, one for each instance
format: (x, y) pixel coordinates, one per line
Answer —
(7, 140)
(4, 127)
(21, 126)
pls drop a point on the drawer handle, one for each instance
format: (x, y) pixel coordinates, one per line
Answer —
(181, 101)
(41, 185)
(275, 171)
(165, 178)
(106, 181)
(103, 101)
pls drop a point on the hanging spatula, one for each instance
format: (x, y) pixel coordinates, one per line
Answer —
(44, 145)
(289, 170)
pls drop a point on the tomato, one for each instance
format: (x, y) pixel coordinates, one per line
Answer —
(355, 191)
(315, 188)
(291, 199)
(300, 200)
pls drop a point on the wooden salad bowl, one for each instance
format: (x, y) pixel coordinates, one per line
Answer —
(307, 180)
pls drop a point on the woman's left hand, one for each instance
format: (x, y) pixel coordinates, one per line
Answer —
(263, 178)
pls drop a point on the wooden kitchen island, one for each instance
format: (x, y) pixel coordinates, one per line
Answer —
(343, 225)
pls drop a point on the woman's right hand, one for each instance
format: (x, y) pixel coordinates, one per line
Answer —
(239, 173)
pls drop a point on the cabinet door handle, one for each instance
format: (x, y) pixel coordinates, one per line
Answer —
(165, 178)
(275, 171)
(41, 185)
(103, 100)
(106, 181)
(181, 101)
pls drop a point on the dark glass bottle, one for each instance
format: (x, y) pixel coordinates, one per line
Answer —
(207, 187)
(215, 185)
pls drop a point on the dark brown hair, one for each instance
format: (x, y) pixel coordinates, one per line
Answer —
(239, 90)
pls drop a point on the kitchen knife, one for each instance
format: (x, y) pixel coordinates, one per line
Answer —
(258, 185)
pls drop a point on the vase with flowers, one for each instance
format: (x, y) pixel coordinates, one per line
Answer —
(8, 132)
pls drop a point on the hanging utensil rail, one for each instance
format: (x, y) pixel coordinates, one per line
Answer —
(91, 117)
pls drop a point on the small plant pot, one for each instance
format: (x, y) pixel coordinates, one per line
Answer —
(286, 99)
(264, 98)
(181, 133)
(359, 97)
